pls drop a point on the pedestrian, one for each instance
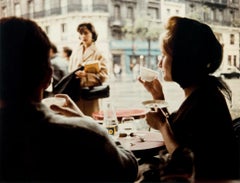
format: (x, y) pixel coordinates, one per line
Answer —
(117, 70)
(60, 65)
(190, 54)
(66, 53)
(136, 71)
(88, 52)
(37, 144)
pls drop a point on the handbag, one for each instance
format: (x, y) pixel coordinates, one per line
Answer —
(95, 92)
(70, 85)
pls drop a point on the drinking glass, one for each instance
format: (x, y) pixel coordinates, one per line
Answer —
(127, 125)
(110, 119)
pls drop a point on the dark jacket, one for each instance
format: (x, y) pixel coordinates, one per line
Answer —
(203, 123)
(38, 145)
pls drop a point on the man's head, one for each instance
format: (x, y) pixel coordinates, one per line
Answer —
(24, 68)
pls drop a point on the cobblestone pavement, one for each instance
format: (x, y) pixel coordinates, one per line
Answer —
(127, 93)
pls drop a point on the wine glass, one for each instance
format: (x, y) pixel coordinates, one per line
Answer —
(127, 126)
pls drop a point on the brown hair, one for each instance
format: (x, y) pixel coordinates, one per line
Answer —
(90, 27)
(195, 52)
(67, 50)
(194, 48)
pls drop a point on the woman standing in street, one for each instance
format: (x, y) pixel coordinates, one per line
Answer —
(85, 53)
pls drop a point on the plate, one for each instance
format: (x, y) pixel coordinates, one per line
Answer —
(155, 103)
(136, 113)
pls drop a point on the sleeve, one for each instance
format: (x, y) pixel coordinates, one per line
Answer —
(178, 166)
(124, 164)
(93, 79)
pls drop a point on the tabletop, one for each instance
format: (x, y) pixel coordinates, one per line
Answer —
(137, 113)
(143, 143)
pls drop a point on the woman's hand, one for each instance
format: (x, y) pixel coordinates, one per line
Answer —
(154, 87)
(81, 74)
(156, 119)
(159, 121)
(69, 108)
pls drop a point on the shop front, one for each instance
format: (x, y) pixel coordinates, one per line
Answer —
(129, 55)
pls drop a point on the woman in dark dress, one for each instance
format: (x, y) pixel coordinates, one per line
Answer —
(203, 124)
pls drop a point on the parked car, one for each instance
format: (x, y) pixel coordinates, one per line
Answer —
(230, 72)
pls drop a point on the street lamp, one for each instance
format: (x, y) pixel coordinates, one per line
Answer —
(149, 49)
(133, 39)
(149, 38)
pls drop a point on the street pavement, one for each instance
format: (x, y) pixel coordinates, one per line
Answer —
(126, 92)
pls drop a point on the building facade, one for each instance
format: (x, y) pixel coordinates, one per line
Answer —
(129, 29)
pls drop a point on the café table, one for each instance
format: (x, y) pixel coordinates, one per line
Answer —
(143, 144)
(142, 149)
(137, 113)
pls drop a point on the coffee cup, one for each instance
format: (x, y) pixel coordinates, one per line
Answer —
(148, 74)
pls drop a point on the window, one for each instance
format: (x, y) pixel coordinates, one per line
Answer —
(17, 9)
(168, 11)
(232, 39)
(212, 15)
(229, 59)
(87, 5)
(220, 17)
(63, 5)
(117, 12)
(63, 28)
(47, 6)
(38, 6)
(31, 9)
(4, 11)
(47, 29)
(117, 59)
(234, 60)
(153, 12)
(117, 34)
(130, 13)
(232, 15)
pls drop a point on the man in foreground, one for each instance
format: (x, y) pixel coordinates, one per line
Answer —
(36, 143)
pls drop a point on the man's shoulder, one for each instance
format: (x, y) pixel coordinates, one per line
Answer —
(77, 124)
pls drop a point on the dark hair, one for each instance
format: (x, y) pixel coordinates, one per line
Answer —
(24, 57)
(67, 50)
(90, 27)
(54, 48)
(195, 52)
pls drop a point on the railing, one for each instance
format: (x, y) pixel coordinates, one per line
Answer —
(67, 9)
(222, 2)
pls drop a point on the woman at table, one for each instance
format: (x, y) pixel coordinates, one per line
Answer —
(85, 53)
(190, 53)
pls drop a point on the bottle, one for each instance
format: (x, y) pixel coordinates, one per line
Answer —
(110, 118)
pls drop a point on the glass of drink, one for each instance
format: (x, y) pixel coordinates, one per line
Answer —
(110, 119)
(127, 126)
